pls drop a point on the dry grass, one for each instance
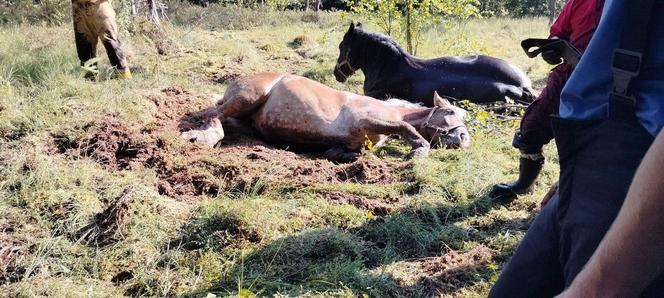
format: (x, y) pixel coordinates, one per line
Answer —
(71, 225)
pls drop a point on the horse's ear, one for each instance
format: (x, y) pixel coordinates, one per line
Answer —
(439, 101)
(351, 29)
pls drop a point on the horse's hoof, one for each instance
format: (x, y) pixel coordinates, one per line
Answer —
(202, 137)
(189, 136)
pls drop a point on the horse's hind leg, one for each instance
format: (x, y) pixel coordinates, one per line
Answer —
(241, 99)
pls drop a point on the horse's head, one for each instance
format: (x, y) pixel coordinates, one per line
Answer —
(347, 63)
(444, 126)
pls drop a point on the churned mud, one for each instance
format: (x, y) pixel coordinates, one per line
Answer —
(241, 162)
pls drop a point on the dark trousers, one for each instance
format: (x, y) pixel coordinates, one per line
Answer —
(598, 160)
(94, 21)
(535, 129)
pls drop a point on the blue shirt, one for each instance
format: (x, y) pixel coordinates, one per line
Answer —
(586, 94)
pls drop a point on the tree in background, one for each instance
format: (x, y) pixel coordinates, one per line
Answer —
(54, 12)
(520, 8)
(408, 18)
(152, 9)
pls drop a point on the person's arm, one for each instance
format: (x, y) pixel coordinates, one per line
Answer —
(562, 26)
(631, 255)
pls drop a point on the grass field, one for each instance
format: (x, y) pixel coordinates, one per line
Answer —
(99, 197)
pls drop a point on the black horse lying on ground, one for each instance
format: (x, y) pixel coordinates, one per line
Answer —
(390, 71)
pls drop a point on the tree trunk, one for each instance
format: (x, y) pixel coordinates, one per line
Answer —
(409, 26)
(552, 11)
(132, 5)
(153, 12)
(389, 23)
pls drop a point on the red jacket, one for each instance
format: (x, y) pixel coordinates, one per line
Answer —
(576, 23)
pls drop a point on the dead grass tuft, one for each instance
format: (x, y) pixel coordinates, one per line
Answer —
(106, 226)
(454, 269)
(376, 207)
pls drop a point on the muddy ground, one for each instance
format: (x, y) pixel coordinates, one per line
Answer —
(240, 162)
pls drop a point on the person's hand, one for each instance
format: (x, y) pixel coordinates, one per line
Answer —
(568, 294)
(552, 56)
(581, 290)
(547, 197)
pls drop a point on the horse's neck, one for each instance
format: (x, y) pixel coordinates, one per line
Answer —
(383, 75)
(414, 116)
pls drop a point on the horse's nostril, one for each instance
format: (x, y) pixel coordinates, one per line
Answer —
(463, 136)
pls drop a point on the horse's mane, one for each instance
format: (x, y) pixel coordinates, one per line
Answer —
(395, 102)
(382, 40)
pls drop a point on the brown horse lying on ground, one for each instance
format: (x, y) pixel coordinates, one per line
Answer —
(295, 110)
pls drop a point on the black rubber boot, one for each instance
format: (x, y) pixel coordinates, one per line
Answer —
(529, 168)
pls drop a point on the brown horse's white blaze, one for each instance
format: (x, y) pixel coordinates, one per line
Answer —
(296, 110)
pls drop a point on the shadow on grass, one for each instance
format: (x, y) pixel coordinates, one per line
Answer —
(330, 259)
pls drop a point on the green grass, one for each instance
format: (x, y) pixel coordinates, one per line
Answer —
(271, 238)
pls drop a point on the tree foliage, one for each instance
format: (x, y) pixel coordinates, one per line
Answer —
(408, 18)
(518, 8)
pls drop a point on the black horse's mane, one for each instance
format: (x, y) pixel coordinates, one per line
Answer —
(373, 38)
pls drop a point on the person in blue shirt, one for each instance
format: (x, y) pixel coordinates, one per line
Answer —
(602, 136)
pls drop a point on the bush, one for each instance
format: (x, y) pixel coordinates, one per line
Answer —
(219, 16)
(49, 12)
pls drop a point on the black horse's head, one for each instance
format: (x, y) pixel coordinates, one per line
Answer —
(348, 60)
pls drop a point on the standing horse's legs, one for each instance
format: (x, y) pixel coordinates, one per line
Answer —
(420, 146)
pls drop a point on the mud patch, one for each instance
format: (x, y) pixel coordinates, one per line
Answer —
(377, 207)
(366, 171)
(454, 270)
(178, 108)
(243, 163)
(111, 142)
(226, 74)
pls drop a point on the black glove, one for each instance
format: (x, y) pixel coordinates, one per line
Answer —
(552, 56)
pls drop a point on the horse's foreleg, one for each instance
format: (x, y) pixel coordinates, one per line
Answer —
(420, 146)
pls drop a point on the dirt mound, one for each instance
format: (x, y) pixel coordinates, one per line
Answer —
(224, 73)
(179, 109)
(105, 227)
(111, 143)
(453, 269)
(11, 250)
(377, 207)
(366, 171)
(242, 163)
